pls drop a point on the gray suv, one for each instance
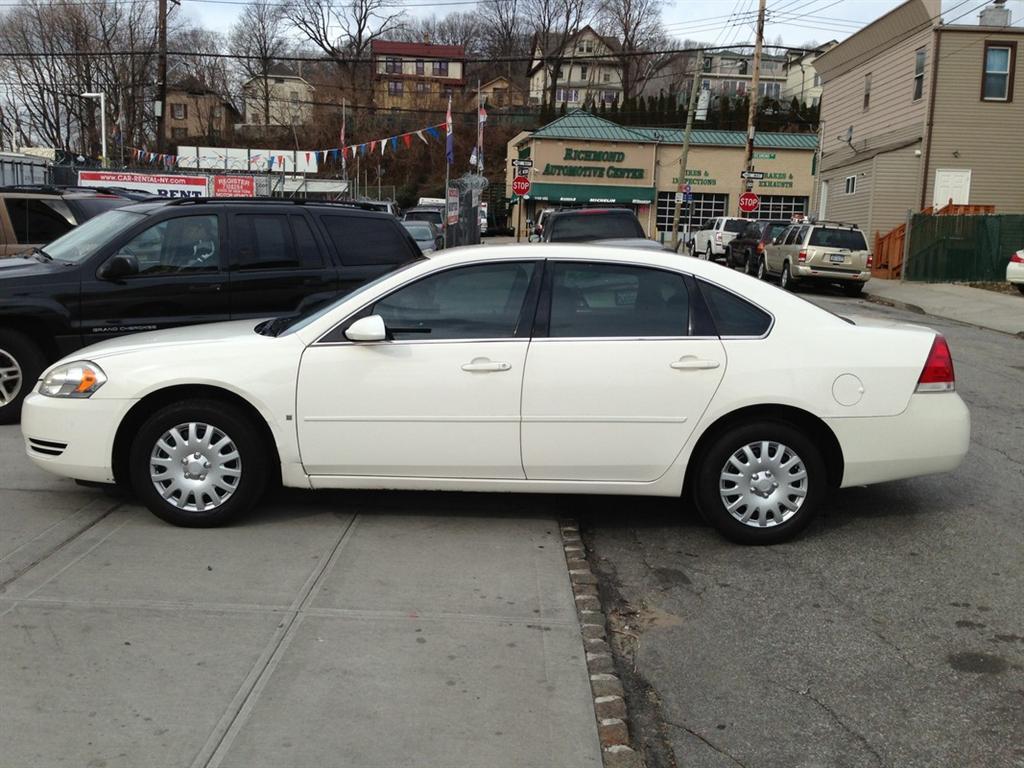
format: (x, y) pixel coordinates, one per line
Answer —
(818, 252)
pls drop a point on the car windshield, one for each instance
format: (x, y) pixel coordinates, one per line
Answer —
(419, 230)
(774, 230)
(735, 225)
(594, 226)
(850, 239)
(85, 240)
(291, 323)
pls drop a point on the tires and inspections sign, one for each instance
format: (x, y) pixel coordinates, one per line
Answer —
(234, 186)
(164, 185)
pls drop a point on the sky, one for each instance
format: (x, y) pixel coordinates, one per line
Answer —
(717, 22)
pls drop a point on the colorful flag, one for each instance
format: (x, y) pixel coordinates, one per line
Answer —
(407, 140)
(394, 143)
(422, 137)
(449, 137)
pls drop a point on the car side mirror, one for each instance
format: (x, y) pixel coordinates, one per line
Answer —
(369, 328)
(118, 266)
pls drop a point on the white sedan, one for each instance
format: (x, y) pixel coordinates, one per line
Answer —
(554, 369)
(1015, 270)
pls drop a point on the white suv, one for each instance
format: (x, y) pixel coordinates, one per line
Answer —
(710, 240)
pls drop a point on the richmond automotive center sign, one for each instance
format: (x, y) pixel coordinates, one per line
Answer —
(164, 185)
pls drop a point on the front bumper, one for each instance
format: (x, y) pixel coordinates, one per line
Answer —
(73, 438)
(931, 435)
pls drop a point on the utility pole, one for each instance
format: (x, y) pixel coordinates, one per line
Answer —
(755, 85)
(694, 93)
(161, 76)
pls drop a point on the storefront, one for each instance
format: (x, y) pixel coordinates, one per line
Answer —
(583, 160)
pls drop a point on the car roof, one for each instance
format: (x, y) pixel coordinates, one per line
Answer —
(591, 211)
(334, 206)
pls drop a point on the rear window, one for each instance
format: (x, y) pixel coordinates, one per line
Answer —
(366, 240)
(434, 217)
(37, 221)
(850, 239)
(735, 225)
(595, 226)
(85, 208)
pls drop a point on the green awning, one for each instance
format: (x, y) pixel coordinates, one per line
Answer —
(590, 193)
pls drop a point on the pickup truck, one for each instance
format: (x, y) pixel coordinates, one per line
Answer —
(157, 265)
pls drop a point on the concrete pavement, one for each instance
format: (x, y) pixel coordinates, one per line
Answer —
(975, 306)
(339, 629)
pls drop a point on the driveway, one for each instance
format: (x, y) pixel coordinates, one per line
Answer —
(336, 629)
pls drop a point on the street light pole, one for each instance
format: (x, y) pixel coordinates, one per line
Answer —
(103, 122)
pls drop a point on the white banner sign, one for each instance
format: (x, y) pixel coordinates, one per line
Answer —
(239, 159)
(165, 185)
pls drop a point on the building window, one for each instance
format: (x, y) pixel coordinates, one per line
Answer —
(179, 133)
(440, 68)
(583, 71)
(606, 77)
(609, 97)
(392, 66)
(218, 113)
(500, 96)
(867, 91)
(567, 95)
(919, 59)
(704, 207)
(815, 101)
(771, 90)
(851, 185)
(394, 87)
(742, 67)
(422, 87)
(294, 95)
(179, 111)
(817, 80)
(705, 85)
(997, 82)
(419, 66)
(278, 80)
(585, 46)
(448, 91)
(779, 207)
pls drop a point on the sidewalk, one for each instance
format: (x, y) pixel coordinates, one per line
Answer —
(975, 306)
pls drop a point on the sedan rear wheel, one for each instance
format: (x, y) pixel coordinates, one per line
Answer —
(199, 464)
(761, 483)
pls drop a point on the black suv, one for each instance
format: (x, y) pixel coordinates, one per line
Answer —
(158, 265)
(746, 248)
(585, 224)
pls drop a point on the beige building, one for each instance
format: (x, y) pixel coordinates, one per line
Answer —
(502, 93)
(803, 82)
(582, 78)
(583, 160)
(416, 75)
(194, 111)
(916, 113)
(291, 99)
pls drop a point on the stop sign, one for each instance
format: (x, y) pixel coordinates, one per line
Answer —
(520, 185)
(749, 202)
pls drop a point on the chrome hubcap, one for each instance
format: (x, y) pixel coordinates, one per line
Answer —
(195, 467)
(763, 484)
(10, 377)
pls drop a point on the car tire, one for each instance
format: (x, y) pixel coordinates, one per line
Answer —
(780, 482)
(21, 362)
(195, 432)
(786, 281)
(762, 269)
(1020, 287)
(853, 290)
(709, 255)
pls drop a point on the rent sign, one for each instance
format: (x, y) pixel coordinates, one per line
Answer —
(164, 185)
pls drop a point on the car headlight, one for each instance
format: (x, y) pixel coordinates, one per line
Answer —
(78, 379)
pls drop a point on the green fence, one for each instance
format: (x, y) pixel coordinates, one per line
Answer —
(968, 248)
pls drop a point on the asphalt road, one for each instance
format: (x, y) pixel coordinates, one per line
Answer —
(890, 634)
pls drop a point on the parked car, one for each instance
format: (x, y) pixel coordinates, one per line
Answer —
(1015, 270)
(709, 242)
(191, 260)
(581, 224)
(819, 252)
(429, 214)
(384, 206)
(538, 226)
(746, 248)
(426, 235)
(637, 382)
(32, 216)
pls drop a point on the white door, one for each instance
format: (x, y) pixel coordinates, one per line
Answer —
(616, 387)
(952, 184)
(440, 400)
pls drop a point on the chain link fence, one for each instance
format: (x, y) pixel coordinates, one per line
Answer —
(963, 248)
(466, 231)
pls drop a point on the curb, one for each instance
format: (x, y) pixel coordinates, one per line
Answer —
(605, 686)
(885, 302)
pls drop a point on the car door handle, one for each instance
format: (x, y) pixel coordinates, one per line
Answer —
(204, 288)
(691, 363)
(483, 365)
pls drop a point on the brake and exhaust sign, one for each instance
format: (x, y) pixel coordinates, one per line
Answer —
(164, 185)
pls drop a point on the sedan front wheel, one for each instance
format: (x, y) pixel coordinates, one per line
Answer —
(761, 483)
(199, 464)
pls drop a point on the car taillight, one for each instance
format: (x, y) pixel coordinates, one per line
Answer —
(938, 375)
(1018, 257)
(718, 237)
(802, 256)
(871, 261)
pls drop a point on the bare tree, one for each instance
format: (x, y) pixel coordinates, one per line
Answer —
(345, 31)
(462, 29)
(638, 26)
(503, 31)
(257, 40)
(554, 23)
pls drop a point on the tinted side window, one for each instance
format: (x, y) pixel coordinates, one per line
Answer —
(36, 221)
(305, 244)
(362, 240)
(732, 315)
(791, 236)
(185, 244)
(602, 300)
(262, 241)
(478, 302)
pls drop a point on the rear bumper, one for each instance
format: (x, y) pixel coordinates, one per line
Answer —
(814, 272)
(931, 435)
(85, 428)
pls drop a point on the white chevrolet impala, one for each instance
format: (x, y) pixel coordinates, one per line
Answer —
(554, 369)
